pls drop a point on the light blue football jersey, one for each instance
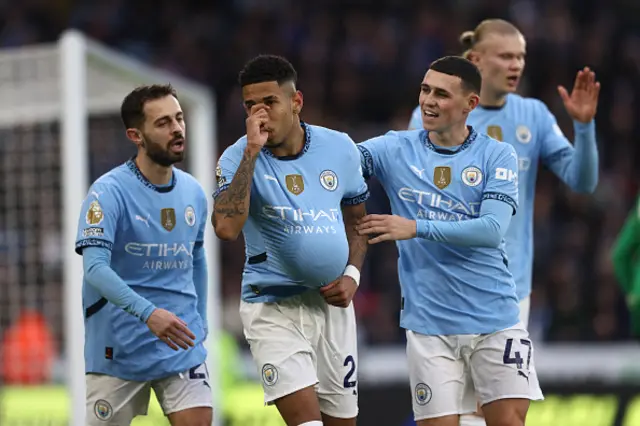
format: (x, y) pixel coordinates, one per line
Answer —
(151, 232)
(527, 125)
(447, 289)
(294, 236)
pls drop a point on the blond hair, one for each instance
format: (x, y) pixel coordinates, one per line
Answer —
(469, 39)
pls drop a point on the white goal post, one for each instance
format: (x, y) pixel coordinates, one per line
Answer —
(69, 82)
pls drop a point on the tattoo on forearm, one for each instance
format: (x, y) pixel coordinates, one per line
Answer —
(235, 200)
(357, 243)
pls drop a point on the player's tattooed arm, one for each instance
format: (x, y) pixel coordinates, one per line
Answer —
(231, 207)
(357, 243)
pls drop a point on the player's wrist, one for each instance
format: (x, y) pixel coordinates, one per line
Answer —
(352, 272)
(253, 148)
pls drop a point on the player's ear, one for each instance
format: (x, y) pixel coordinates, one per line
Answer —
(297, 102)
(473, 56)
(134, 135)
(472, 102)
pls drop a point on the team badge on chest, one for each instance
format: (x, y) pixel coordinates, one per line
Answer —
(472, 176)
(168, 219)
(295, 184)
(329, 180)
(190, 216)
(442, 176)
(523, 134)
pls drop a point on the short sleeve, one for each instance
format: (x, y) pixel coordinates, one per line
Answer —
(356, 191)
(416, 120)
(502, 179)
(373, 154)
(99, 216)
(226, 168)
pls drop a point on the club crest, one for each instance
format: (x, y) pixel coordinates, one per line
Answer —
(472, 176)
(329, 180)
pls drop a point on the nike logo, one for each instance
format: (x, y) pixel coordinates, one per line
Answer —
(416, 170)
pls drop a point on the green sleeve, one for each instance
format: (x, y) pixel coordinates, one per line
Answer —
(626, 251)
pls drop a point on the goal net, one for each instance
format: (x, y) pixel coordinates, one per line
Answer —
(59, 130)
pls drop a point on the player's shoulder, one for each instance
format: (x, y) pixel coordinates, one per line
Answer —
(332, 136)
(235, 149)
(522, 103)
(396, 138)
(188, 179)
(493, 146)
(114, 180)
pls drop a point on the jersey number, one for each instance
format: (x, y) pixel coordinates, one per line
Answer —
(351, 363)
(517, 359)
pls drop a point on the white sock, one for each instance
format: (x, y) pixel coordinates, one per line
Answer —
(471, 420)
(313, 423)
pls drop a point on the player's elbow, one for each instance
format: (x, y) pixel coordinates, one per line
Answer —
(224, 231)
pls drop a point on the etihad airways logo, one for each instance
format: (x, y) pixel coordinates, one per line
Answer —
(435, 206)
(162, 256)
(299, 221)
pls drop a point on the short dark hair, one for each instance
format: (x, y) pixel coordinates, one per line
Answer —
(265, 68)
(462, 68)
(132, 108)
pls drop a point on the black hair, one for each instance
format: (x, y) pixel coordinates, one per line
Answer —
(462, 68)
(265, 68)
(132, 108)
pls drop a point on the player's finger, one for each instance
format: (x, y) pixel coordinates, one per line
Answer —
(338, 300)
(370, 224)
(329, 286)
(332, 292)
(596, 91)
(258, 108)
(169, 343)
(184, 329)
(372, 230)
(178, 340)
(371, 217)
(177, 333)
(380, 238)
(563, 94)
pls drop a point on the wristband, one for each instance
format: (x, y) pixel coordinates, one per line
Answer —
(352, 271)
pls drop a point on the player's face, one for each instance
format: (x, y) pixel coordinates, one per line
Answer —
(444, 102)
(500, 59)
(163, 133)
(283, 104)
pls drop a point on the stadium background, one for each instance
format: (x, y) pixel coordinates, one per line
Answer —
(360, 63)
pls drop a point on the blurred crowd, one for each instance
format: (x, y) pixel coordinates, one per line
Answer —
(360, 64)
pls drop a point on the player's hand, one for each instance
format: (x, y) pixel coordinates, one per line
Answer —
(582, 103)
(386, 227)
(257, 134)
(340, 292)
(170, 329)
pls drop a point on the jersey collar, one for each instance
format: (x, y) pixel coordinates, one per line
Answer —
(307, 141)
(131, 164)
(467, 142)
